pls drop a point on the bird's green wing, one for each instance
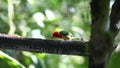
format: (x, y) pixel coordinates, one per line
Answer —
(64, 33)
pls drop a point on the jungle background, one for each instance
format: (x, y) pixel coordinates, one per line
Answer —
(39, 19)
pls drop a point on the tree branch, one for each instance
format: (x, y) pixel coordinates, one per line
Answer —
(115, 18)
(40, 45)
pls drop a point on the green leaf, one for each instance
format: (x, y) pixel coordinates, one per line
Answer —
(9, 61)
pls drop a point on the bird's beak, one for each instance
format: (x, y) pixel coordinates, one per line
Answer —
(52, 37)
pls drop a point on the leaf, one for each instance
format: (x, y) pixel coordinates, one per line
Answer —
(11, 62)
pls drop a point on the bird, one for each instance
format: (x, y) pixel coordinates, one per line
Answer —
(62, 35)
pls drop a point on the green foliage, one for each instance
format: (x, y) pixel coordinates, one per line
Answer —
(115, 60)
(7, 61)
(39, 19)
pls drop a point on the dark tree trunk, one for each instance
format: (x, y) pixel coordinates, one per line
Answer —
(102, 42)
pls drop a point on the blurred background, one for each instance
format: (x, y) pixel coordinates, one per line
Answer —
(39, 19)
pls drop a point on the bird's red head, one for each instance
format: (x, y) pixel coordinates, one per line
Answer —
(56, 35)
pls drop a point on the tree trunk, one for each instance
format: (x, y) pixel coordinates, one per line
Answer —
(100, 41)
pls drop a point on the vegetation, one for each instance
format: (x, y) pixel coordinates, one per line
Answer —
(39, 19)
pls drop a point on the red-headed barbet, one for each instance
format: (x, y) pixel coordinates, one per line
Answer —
(62, 35)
